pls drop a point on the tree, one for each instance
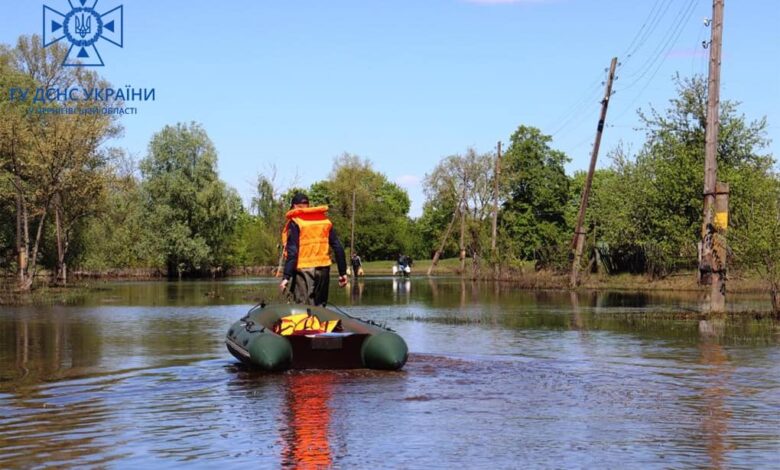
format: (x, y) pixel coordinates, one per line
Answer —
(459, 191)
(380, 207)
(257, 240)
(536, 191)
(190, 209)
(611, 220)
(14, 147)
(666, 190)
(755, 234)
(53, 158)
(119, 236)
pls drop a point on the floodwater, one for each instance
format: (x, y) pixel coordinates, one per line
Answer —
(137, 375)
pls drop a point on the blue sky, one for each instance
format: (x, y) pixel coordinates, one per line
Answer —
(293, 84)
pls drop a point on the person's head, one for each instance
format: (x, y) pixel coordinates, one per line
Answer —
(299, 201)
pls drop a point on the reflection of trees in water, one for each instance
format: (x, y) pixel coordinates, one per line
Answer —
(623, 299)
(46, 345)
(306, 443)
(38, 347)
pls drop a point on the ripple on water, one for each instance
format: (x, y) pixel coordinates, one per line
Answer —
(517, 395)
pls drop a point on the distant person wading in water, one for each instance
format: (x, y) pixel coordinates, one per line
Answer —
(306, 237)
(357, 265)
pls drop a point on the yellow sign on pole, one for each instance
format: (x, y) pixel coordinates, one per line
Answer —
(721, 220)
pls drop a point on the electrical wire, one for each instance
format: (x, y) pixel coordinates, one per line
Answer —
(590, 96)
(657, 62)
(663, 47)
(654, 19)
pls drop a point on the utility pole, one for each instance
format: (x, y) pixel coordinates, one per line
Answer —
(352, 237)
(496, 175)
(579, 233)
(446, 236)
(462, 241)
(712, 221)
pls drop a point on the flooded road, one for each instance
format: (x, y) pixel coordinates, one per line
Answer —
(137, 374)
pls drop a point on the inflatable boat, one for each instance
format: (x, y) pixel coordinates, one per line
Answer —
(290, 336)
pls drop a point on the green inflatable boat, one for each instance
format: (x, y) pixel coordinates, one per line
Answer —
(267, 338)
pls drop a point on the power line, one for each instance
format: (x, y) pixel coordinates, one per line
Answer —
(654, 18)
(570, 119)
(663, 47)
(589, 97)
(660, 59)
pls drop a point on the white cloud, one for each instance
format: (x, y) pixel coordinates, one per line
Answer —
(408, 181)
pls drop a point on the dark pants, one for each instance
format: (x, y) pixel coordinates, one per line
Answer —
(310, 286)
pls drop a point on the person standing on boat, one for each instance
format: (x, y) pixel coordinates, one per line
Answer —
(306, 237)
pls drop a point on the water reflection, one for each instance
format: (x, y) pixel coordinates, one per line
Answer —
(139, 377)
(37, 345)
(402, 289)
(308, 413)
(715, 412)
(577, 322)
(356, 290)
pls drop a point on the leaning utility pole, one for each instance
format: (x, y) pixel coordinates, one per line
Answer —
(715, 218)
(446, 236)
(579, 234)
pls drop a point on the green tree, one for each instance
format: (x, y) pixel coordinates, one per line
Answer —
(18, 181)
(257, 237)
(536, 191)
(611, 220)
(190, 209)
(53, 159)
(667, 176)
(459, 192)
(119, 235)
(380, 207)
(755, 233)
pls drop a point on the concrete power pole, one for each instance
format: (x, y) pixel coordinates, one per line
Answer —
(715, 218)
(579, 233)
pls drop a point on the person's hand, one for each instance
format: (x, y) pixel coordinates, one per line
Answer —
(343, 280)
(283, 285)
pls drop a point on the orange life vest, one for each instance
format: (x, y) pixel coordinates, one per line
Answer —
(314, 228)
(303, 324)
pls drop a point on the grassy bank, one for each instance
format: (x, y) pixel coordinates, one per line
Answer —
(525, 276)
(44, 295)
